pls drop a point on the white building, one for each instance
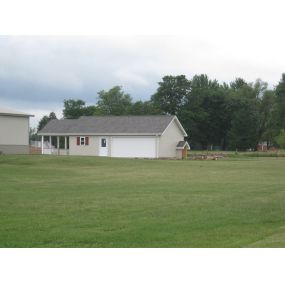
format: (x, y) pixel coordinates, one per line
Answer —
(14, 132)
(118, 136)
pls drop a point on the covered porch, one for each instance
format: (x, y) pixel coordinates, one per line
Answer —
(56, 145)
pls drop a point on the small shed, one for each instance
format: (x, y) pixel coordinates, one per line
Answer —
(181, 149)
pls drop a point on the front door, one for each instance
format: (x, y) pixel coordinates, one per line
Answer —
(103, 147)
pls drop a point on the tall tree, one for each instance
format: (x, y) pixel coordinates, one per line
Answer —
(268, 117)
(114, 102)
(237, 84)
(203, 113)
(280, 139)
(243, 133)
(260, 87)
(171, 94)
(33, 136)
(245, 122)
(280, 98)
(144, 108)
(74, 109)
(45, 119)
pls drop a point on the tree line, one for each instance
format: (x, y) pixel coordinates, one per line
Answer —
(229, 116)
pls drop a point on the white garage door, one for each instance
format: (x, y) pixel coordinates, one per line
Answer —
(133, 147)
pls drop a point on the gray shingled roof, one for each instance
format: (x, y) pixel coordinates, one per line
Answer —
(182, 144)
(109, 125)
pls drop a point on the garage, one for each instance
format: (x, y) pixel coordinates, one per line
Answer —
(133, 147)
(152, 136)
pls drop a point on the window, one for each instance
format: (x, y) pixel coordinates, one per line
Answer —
(103, 143)
(82, 141)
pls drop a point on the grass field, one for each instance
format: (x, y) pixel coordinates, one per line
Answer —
(49, 201)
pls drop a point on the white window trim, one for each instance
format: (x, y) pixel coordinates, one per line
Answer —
(84, 141)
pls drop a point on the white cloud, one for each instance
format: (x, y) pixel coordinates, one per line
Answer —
(130, 77)
(39, 72)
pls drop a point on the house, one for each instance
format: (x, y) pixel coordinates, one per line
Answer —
(116, 136)
(14, 132)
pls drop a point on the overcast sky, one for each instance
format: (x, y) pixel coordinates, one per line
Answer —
(38, 72)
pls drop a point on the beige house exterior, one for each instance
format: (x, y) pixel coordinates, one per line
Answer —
(116, 136)
(14, 132)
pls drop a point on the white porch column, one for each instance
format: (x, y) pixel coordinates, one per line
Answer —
(157, 146)
(65, 145)
(58, 145)
(42, 144)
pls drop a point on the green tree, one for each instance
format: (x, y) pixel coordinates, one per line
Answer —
(171, 94)
(280, 139)
(203, 113)
(247, 122)
(237, 84)
(260, 87)
(74, 109)
(144, 108)
(114, 102)
(280, 99)
(45, 119)
(243, 133)
(33, 136)
(268, 117)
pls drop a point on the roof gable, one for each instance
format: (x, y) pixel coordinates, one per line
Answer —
(178, 124)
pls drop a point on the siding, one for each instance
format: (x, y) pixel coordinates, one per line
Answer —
(91, 149)
(14, 149)
(14, 135)
(169, 140)
(14, 130)
(166, 143)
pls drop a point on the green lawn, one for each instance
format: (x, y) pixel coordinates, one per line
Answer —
(50, 201)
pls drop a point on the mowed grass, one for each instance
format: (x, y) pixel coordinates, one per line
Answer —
(50, 201)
